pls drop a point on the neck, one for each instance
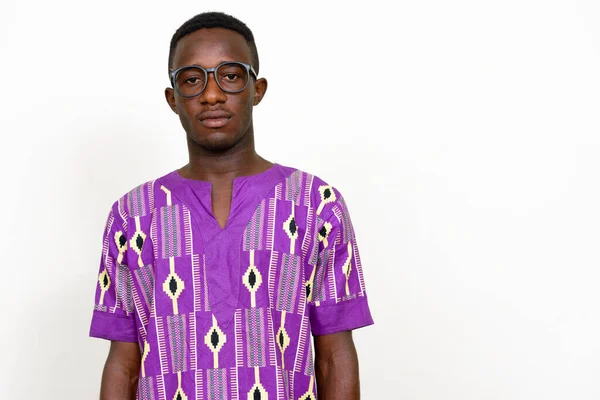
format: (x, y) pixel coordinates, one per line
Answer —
(240, 160)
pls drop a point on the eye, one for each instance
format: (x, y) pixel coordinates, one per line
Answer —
(231, 77)
(193, 80)
(190, 77)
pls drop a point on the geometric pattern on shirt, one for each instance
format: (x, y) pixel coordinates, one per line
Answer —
(173, 286)
(124, 288)
(137, 241)
(327, 196)
(258, 391)
(347, 267)
(341, 212)
(104, 284)
(217, 384)
(309, 395)
(293, 185)
(318, 284)
(303, 343)
(324, 234)
(172, 237)
(256, 337)
(146, 388)
(178, 342)
(290, 276)
(283, 339)
(179, 393)
(252, 279)
(291, 229)
(215, 339)
(145, 280)
(137, 201)
(121, 243)
(258, 234)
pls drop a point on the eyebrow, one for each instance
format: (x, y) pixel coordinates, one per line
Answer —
(219, 63)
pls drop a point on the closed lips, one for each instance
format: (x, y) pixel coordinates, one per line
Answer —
(214, 115)
(214, 119)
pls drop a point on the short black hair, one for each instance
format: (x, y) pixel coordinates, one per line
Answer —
(209, 20)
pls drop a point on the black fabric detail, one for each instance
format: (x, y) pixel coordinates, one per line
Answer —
(252, 278)
(173, 285)
(323, 231)
(139, 242)
(122, 240)
(214, 338)
(105, 281)
(256, 395)
(293, 227)
(326, 194)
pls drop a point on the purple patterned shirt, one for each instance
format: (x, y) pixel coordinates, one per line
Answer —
(228, 313)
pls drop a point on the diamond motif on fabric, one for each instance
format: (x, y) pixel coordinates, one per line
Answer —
(324, 233)
(180, 395)
(327, 196)
(215, 338)
(291, 228)
(258, 392)
(347, 267)
(137, 242)
(283, 339)
(121, 242)
(104, 280)
(173, 286)
(252, 278)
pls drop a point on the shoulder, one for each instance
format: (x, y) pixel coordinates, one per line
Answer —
(314, 192)
(138, 201)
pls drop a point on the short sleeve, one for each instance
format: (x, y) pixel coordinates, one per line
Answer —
(113, 316)
(339, 300)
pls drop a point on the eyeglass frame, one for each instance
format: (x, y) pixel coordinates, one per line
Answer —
(249, 70)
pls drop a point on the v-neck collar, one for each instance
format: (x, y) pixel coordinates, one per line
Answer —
(203, 192)
(222, 246)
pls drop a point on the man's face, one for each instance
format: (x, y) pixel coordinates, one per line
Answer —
(215, 120)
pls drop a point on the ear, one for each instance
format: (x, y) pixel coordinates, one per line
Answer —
(260, 88)
(170, 97)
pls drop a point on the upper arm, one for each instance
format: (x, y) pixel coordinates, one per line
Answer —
(121, 371)
(124, 354)
(335, 347)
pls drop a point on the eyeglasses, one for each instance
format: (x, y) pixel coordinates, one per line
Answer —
(231, 76)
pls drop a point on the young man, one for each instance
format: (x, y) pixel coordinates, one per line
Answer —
(214, 276)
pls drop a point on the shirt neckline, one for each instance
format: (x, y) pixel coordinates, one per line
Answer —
(177, 177)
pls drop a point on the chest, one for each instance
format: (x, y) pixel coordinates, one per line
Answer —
(263, 259)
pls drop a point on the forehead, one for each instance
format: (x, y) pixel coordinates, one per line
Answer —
(209, 47)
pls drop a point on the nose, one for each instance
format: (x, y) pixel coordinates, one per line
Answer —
(212, 93)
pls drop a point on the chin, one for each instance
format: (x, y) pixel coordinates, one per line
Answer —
(217, 142)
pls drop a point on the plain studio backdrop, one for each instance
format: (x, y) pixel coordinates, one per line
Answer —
(463, 134)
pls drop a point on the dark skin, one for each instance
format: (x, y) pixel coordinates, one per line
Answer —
(219, 155)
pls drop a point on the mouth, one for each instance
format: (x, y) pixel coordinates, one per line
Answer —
(214, 122)
(214, 119)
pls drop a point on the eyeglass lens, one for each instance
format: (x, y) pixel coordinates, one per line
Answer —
(231, 77)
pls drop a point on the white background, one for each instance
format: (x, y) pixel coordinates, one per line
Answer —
(463, 134)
